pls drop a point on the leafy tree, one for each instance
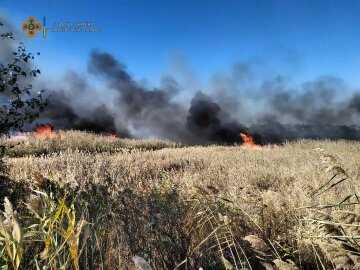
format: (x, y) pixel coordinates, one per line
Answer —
(20, 105)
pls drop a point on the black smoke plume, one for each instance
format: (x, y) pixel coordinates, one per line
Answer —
(271, 113)
(209, 123)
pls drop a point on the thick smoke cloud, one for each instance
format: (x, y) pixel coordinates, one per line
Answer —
(317, 103)
(151, 110)
(209, 123)
(318, 109)
(62, 115)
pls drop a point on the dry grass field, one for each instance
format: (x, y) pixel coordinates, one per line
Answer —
(87, 201)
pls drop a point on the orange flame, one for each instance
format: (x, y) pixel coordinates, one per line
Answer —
(248, 140)
(113, 136)
(44, 131)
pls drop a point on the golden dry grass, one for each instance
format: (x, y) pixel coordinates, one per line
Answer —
(267, 187)
(285, 170)
(77, 140)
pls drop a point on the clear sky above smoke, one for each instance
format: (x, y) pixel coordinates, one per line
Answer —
(301, 39)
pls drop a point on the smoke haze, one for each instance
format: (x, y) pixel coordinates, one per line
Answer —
(272, 113)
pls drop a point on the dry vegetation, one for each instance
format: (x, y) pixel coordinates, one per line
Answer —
(77, 140)
(96, 202)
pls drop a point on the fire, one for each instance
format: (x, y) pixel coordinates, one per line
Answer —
(113, 136)
(248, 140)
(45, 131)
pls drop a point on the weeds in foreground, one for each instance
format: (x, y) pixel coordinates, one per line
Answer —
(11, 237)
(334, 228)
(52, 225)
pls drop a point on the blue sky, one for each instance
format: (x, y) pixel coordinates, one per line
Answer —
(300, 39)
